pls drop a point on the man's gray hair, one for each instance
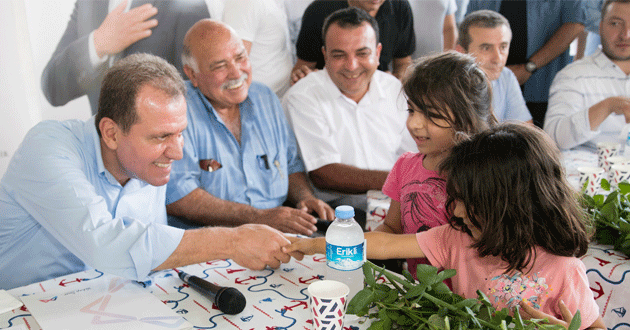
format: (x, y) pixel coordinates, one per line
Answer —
(189, 59)
(480, 18)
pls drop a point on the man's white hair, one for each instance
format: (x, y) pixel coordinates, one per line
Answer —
(190, 60)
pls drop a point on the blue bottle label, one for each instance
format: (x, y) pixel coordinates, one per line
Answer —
(345, 258)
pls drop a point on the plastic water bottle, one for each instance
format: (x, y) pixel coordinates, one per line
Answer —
(345, 250)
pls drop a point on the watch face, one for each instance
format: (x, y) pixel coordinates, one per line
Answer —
(530, 66)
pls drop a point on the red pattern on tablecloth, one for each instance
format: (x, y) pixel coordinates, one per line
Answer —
(276, 298)
(608, 273)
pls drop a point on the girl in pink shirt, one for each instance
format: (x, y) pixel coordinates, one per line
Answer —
(449, 98)
(516, 233)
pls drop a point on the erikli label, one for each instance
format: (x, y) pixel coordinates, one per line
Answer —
(345, 258)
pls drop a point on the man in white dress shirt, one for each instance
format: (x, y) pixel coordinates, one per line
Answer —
(589, 100)
(349, 119)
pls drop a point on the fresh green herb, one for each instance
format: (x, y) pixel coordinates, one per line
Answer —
(428, 303)
(610, 215)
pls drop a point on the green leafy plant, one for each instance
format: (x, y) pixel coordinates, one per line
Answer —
(404, 303)
(610, 214)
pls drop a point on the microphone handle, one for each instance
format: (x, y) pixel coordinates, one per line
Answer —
(201, 285)
(228, 300)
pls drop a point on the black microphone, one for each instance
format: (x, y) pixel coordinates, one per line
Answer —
(229, 300)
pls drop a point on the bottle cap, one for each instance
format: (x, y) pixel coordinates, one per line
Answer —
(344, 212)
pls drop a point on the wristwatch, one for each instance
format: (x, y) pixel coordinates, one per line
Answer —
(531, 67)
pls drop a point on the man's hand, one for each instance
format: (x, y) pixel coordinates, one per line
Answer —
(119, 29)
(288, 220)
(619, 105)
(257, 246)
(299, 73)
(599, 111)
(321, 208)
(521, 74)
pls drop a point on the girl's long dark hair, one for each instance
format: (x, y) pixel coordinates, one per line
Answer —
(513, 185)
(451, 81)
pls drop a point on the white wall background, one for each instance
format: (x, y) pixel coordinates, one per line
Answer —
(47, 20)
(29, 33)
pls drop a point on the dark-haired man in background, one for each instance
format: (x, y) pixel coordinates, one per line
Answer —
(349, 118)
(486, 35)
(395, 23)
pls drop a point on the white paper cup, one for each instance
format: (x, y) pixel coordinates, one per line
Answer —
(594, 175)
(620, 173)
(606, 150)
(328, 302)
(615, 160)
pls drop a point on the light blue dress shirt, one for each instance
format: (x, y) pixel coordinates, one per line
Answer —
(544, 17)
(244, 177)
(61, 211)
(507, 100)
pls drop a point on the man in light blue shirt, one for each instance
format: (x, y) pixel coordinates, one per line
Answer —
(92, 194)
(241, 161)
(551, 27)
(486, 35)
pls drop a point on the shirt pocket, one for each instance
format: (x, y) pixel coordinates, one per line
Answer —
(275, 179)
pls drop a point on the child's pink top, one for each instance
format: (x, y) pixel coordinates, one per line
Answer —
(421, 194)
(552, 278)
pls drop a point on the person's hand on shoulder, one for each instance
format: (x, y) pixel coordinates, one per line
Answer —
(300, 72)
(121, 29)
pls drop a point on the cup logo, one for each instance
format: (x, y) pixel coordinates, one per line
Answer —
(328, 313)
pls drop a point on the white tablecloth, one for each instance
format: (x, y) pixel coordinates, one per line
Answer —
(276, 298)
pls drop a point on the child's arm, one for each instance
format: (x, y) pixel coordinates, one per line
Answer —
(379, 246)
(598, 324)
(392, 223)
(529, 312)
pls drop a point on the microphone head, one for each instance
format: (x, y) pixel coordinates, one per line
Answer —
(230, 301)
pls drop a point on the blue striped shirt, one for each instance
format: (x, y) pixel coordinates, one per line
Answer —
(574, 90)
